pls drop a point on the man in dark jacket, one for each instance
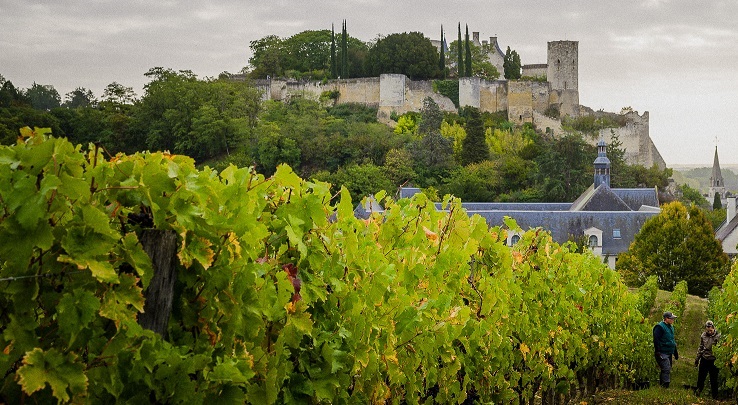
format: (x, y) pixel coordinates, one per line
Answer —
(706, 360)
(664, 347)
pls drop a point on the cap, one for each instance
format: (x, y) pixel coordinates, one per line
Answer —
(669, 315)
(710, 324)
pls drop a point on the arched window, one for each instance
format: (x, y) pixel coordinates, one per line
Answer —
(515, 239)
(593, 241)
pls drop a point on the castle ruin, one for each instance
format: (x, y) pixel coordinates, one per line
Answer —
(526, 101)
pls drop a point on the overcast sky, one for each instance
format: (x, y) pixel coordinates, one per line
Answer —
(676, 59)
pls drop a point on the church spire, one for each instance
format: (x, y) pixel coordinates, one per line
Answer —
(716, 180)
(717, 184)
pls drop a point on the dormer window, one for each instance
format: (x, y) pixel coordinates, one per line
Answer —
(616, 233)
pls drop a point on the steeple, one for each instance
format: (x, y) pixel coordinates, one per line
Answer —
(717, 184)
(601, 165)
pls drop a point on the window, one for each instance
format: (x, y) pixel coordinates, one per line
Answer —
(616, 233)
(515, 239)
(593, 241)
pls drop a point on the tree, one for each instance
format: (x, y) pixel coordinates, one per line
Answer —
(80, 97)
(474, 147)
(117, 94)
(344, 52)
(467, 55)
(511, 65)
(691, 196)
(716, 203)
(678, 244)
(334, 67)
(411, 54)
(480, 64)
(459, 57)
(398, 166)
(431, 117)
(565, 168)
(43, 97)
(267, 57)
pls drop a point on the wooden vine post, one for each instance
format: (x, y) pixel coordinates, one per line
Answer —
(161, 246)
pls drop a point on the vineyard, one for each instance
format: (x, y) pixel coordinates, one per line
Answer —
(281, 295)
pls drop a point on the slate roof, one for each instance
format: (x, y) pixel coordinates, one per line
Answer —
(636, 198)
(726, 229)
(368, 206)
(566, 225)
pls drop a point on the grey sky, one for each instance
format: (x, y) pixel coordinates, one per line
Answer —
(676, 59)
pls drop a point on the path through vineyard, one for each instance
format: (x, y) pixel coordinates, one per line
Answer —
(689, 327)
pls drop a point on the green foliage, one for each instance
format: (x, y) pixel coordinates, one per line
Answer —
(678, 244)
(716, 203)
(565, 167)
(431, 117)
(591, 125)
(306, 53)
(722, 310)
(678, 300)
(690, 196)
(43, 97)
(448, 88)
(480, 64)
(511, 65)
(647, 295)
(474, 147)
(478, 182)
(370, 324)
(354, 112)
(411, 54)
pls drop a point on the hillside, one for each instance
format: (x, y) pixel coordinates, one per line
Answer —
(699, 178)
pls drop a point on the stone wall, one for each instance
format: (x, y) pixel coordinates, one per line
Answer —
(635, 138)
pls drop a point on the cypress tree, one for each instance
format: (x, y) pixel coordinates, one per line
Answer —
(460, 56)
(442, 59)
(474, 147)
(344, 52)
(334, 69)
(716, 203)
(468, 68)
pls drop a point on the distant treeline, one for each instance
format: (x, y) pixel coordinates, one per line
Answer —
(473, 155)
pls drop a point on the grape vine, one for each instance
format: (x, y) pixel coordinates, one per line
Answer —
(282, 295)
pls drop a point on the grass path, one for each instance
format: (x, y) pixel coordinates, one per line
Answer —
(684, 374)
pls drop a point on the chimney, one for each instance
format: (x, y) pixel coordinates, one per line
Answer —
(484, 44)
(492, 42)
(475, 38)
(731, 208)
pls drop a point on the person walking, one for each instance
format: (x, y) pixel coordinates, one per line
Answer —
(705, 360)
(665, 346)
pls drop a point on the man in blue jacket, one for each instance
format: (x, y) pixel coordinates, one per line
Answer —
(665, 346)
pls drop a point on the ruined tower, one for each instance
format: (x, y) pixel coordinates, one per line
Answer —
(563, 74)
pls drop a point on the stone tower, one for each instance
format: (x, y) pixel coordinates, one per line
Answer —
(717, 184)
(563, 75)
(601, 166)
(563, 65)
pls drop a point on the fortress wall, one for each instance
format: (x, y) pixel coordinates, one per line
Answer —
(547, 124)
(392, 90)
(519, 102)
(540, 93)
(635, 139)
(363, 91)
(537, 70)
(469, 88)
(493, 95)
(567, 102)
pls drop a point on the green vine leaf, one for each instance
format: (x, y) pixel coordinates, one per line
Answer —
(60, 371)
